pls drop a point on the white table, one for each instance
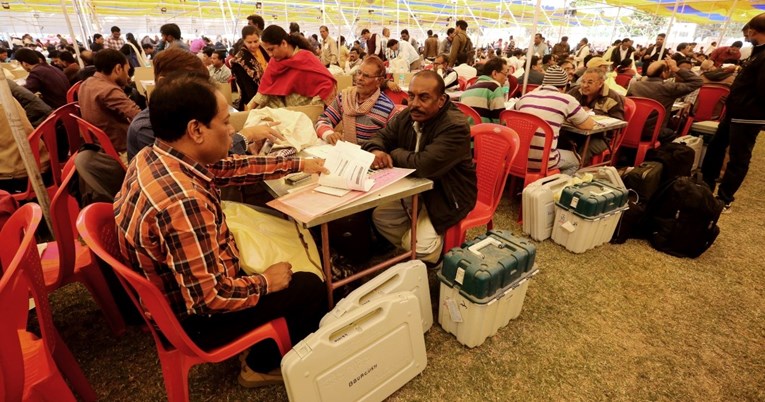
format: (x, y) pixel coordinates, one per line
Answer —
(406, 187)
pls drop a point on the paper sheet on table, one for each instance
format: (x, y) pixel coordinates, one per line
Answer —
(348, 167)
(607, 121)
(320, 151)
(307, 203)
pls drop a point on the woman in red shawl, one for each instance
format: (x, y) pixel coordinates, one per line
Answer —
(294, 76)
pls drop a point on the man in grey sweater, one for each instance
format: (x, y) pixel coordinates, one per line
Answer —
(654, 86)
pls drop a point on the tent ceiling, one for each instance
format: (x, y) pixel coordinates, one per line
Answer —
(373, 13)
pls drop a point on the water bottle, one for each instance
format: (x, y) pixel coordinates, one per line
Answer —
(401, 79)
(506, 90)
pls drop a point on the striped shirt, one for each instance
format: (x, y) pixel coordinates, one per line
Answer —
(366, 125)
(172, 229)
(555, 107)
(487, 97)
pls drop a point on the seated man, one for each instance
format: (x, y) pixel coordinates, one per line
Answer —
(13, 174)
(450, 77)
(353, 62)
(103, 101)
(218, 70)
(487, 95)
(171, 228)
(654, 86)
(361, 109)
(430, 136)
(537, 73)
(595, 96)
(551, 103)
(49, 81)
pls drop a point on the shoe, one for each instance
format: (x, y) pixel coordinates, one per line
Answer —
(253, 379)
(726, 209)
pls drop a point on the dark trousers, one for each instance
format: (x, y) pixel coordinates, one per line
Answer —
(741, 139)
(302, 304)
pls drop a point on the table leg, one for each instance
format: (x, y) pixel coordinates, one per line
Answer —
(327, 263)
(584, 151)
(415, 208)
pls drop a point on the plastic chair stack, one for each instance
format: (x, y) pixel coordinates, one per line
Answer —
(32, 368)
(496, 147)
(177, 352)
(94, 135)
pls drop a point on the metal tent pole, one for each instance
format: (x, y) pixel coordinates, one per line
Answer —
(71, 32)
(727, 22)
(530, 50)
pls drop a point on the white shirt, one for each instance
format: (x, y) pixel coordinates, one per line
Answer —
(465, 71)
(407, 51)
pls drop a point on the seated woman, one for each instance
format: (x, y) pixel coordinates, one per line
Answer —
(361, 109)
(294, 76)
(248, 64)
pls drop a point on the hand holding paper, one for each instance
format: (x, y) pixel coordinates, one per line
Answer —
(348, 167)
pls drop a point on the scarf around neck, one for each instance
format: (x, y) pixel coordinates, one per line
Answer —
(352, 108)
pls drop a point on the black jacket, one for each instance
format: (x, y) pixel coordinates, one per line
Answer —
(616, 55)
(746, 102)
(444, 157)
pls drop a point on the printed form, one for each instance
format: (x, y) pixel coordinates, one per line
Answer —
(348, 167)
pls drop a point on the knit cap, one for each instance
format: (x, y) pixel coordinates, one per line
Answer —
(555, 76)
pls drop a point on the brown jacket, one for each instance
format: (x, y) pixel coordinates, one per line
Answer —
(11, 164)
(104, 104)
(431, 47)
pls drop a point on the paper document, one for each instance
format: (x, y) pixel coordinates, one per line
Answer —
(607, 121)
(348, 167)
(320, 151)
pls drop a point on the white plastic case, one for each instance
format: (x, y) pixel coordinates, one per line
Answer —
(696, 144)
(539, 206)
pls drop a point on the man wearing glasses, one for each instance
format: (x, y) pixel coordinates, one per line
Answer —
(359, 111)
(487, 96)
(451, 78)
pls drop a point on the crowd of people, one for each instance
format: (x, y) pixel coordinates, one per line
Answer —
(180, 146)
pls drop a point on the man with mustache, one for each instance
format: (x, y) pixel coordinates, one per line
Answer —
(431, 136)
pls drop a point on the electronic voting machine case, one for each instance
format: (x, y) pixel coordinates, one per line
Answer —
(409, 276)
(366, 355)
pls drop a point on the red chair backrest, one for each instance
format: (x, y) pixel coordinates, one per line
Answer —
(496, 148)
(634, 129)
(526, 125)
(397, 98)
(94, 135)
(22, 275)
(469, 112)
(623, 80)
(71, 94)
(470, 82)
(512, 84)
(462, 82)
(64, 113)
(629, 113)
(46, 132)
(707, 101)
(529, 87)
(97, 227)
(64, 210)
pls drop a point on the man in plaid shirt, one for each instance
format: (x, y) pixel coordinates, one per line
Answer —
(171, 228)
(114, 41)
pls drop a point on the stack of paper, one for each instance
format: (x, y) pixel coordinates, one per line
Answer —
(348, 167)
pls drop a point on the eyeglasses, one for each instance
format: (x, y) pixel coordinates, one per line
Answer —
(364, 75)
(588, 83)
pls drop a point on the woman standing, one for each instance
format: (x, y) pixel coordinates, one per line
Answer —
(248, 64)
(295, 76)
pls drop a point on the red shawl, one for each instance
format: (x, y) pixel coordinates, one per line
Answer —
(302, 73)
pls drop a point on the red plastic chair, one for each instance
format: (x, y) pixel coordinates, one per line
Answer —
(94, 135)
(66, 260)
(397, 98)
(469, 112)
(616, 141)
(46, 132)
(624, 80)
(634, 129)
(526, 125)
(706, 103)
(496, 147)
(470, 82)
(32, 368)
(512, 84)
(462, 83)
(529, 87)
(177, 353)
(71, 94)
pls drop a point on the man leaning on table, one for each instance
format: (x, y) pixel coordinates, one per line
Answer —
(432, 137)
(171, 228)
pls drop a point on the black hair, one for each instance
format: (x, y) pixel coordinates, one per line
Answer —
(147, 46)
(404, 31)
(681, 46)
(4, 50)
(107, 59)
(294, 27)
(496, 64)
(662, 35)
(171, 30)
(430, 32)
(53, 54)
(97, 36)
(391, 43)
(248, 30)
(364, 31)
(547, 58)
(275, 34)
(25, 55)
(737, 44)
(66, 56)
(179, 99)
(449, 31)
(257, 20)
(440, 86)
(221, 54)
(585, 40)
(208, 51)
(115, 29)
(462, 24)
(564, 39)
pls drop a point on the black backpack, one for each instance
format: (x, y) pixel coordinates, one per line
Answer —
(683, 218)
(676, 160)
